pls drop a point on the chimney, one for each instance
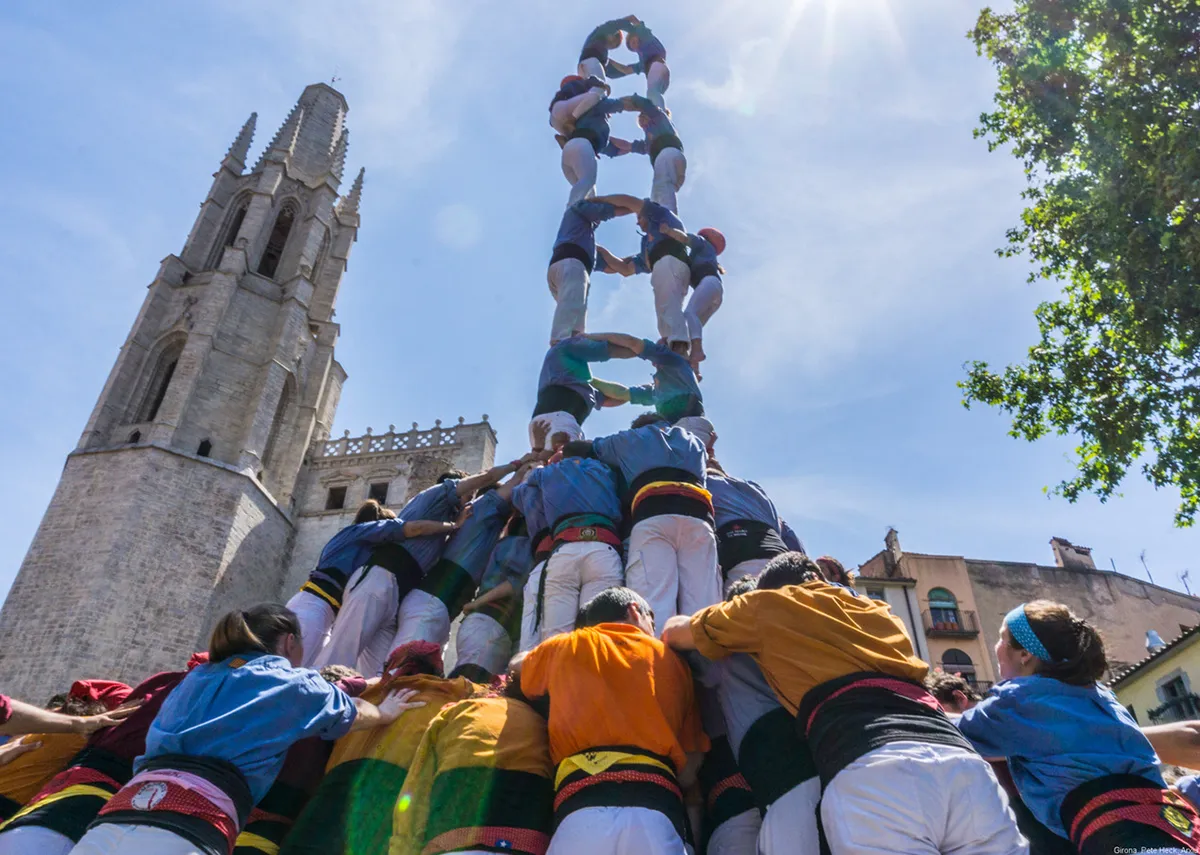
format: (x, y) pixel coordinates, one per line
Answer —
(1067, 554)
(891, 559)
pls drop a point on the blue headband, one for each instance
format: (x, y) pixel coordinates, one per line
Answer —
(1018, 626)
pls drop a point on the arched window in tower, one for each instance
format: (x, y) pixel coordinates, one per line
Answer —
(954, 661)
(277, 241)
(160, 381)
(943, 610)
(230, 234)
(285, 399)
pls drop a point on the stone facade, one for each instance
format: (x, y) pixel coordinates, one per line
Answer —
(198, 484)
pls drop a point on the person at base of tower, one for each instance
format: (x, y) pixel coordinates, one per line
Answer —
(581, 149)
(351, 812)
(625, 733)
(664, 148)
(667, 261)
(428, 610)
(57, 817)
(579, 498)
(363, 633)
(318, 602)
(575, 96)
(674, 393)
(30, 769)
(303, 769)
(731, 821)
(481, 781)
(491, 625)
(528, 503)
(1077, 757)
(220, 738)
(845, 667)
(571, 264)
(772, 756)
(707, 289)
(652, 62)
(594, 56)
(672, 556)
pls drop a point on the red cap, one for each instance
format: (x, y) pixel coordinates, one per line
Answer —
(714, 237)
(407, 658)
(107, 692)
(200, 658)
(570, 78)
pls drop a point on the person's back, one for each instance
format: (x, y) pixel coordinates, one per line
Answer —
(623, 722)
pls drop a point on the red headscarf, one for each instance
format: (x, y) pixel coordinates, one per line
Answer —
(107, 692)
(407, 659)
(200, 658)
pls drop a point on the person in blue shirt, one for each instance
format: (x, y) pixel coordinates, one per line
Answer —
(672, 557)
(652, 61)
(571, 264)
(427, 611)
(317, 603)
(674, 393)
(583, 146)
(491, 624)
(594, 57)
(664, 147)
(581, 505)
(221, 736)
(565, 396)
(362, 635)
(575, 96)
(1070, 744)
(667, 261)
(707, 288)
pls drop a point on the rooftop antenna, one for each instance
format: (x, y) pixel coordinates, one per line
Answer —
(1183, 577)
(1142, 558)
(335, 78)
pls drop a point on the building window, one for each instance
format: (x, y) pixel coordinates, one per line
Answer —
(875, 594)
(285, 398)
(336, 500)
(943, 609)
(954, 661)
(205, 449)
(231, 233)
(379, 492)
(136, 436)
(276, 242)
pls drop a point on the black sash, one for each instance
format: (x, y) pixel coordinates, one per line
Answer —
(746, 540)
(397, 560)
(664, 141)
(1128, 813)
(561, 399)
(666, 247)
(567, 249)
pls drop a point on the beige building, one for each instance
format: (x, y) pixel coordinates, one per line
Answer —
(1162, 687)
(205, 478)
(962, 602)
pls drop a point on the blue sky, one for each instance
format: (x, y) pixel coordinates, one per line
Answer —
(829, 139)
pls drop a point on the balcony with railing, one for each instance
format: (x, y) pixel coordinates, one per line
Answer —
(1185, 708)
(950, 623)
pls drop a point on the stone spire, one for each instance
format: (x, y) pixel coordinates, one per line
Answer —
(284, 142)
(337, 164)
(241, 145)
(348, 204)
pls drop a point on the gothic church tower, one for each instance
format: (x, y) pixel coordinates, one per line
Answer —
(177, 503)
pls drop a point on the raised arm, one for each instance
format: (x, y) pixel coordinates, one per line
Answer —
(621, 266)
(505, 490)
(427, 528)
(612, 391)
(474, 483)
(632, 204)
(621, 340)
(389, 709)
(676, 234)
(616, 70)
(504, 589)
(27, 718)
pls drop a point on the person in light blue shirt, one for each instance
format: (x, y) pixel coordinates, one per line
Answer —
(527, 499)
(220, 738)
(491, 624)
(674, 393)
(583, 147)
(571, 264)
(652, 62)
(427, 611)
(575, 96)
(1067, 739)
(664, 147)
(594, 56)
(750, 531)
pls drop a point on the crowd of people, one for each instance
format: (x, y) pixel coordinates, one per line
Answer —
(646, 659)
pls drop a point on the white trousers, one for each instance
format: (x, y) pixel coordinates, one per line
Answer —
(316, 620)
(484, 642)
(365, 625)
(790, 826)
(529, 632)
(658, 79)
(591, 67)
(579, 167)
(617, 831)
(913, 798)
(670, 170)
(423, 617)
(34, 840)
(575, 573)
(118, 839)
(568, 280)
(737, 835)
(743, 569)
(564, 113)
(704, 302)
(673, 564)
(670, 278)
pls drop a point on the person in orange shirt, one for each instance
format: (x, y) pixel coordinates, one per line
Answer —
(625, 731)
(896, 773)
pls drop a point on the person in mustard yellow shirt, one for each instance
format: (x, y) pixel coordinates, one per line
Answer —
(897, 774)
(625, 731)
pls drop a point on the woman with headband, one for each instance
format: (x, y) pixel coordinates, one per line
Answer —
(1076, 755)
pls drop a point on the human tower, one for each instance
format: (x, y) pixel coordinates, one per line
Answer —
(647, 661)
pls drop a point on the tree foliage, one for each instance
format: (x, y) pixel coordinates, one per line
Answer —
(1100, 99)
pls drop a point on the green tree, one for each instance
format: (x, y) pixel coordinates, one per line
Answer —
(1100, 99)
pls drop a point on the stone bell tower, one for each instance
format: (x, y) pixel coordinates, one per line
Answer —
(177, 503)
